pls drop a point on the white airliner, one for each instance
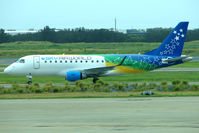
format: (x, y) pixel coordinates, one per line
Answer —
(77, 67)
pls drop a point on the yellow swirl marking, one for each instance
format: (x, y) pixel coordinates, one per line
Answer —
(109, 64)
(124, 69)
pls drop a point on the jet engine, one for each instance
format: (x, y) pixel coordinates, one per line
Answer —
(75, 75)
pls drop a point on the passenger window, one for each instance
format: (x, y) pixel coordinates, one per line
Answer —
(92, 61)
(86, 61)
(97, 61)
(76, 61)
(65, 61)
(60, 61)
(45, 61)
(50, 61)
(55, 61)
(81, 61)
(71, 61)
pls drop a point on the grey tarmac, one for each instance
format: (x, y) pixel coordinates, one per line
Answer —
(100, 115)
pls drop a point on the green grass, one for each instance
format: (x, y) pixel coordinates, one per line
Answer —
(4, 78)
(3, 66)
(155, 76)
(18, 49)
(95, 95)
(188, 65)
(141, 77)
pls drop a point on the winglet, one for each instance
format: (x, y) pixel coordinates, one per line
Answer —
(122, 61)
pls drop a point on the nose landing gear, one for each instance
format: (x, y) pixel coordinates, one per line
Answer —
(95, 79)
(29, 77)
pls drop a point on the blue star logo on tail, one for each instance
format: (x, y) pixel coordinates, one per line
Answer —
(173, 44)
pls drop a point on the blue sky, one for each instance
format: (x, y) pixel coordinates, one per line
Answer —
(140, 14)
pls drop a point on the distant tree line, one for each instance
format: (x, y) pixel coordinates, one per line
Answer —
(94, 35)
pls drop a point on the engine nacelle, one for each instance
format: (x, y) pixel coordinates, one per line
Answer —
(74, 76)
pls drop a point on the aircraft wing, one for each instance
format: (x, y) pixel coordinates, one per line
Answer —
(101, 70)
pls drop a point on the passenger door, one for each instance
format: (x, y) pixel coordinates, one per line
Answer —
(36, 62)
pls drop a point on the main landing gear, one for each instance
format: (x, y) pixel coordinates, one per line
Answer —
(29, 77)
(95, 79)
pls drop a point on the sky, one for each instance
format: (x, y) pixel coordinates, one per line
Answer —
(96, 14)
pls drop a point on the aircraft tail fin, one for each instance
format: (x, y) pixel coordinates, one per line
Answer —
(173, 44)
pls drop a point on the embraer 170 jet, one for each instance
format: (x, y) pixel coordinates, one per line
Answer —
(77, 67)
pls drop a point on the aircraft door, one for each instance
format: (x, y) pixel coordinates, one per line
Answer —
(36, 62)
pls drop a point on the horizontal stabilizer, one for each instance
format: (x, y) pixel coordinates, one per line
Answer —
(183, 58)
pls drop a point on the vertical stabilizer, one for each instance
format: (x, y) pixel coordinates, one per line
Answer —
(173, 44)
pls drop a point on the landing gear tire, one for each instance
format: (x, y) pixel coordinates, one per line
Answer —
(95, 80)
(29, 82)
(29, 77)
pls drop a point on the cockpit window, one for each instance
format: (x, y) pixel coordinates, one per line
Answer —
(21, 61)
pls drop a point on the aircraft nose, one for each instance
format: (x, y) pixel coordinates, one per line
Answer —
(8, 69)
